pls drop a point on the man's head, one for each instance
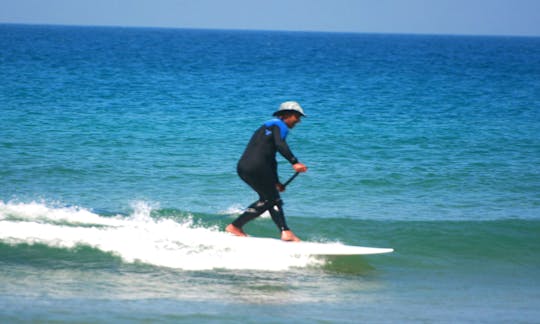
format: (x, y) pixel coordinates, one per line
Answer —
(290, 112)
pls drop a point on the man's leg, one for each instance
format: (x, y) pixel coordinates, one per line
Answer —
(276, 211)
(253, 211)
(260, 184)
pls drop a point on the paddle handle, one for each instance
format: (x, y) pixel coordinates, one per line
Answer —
(291, 179)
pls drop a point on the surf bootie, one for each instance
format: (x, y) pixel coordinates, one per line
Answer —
(235, 230)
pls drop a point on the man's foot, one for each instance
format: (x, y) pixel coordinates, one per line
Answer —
(235, 230)
(289, 236)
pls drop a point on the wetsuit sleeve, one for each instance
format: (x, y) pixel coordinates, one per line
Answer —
(282, 146)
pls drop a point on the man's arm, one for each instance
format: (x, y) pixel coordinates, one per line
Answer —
(282, 146)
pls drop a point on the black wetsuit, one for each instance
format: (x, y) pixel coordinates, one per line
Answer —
(258, 168)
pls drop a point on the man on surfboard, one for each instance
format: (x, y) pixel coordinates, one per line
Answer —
(258, 168)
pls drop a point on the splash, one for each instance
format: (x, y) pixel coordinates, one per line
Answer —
(141, 238)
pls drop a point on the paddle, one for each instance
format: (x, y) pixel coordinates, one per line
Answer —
(290, 179)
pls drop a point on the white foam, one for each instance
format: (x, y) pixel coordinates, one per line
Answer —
(140, 238)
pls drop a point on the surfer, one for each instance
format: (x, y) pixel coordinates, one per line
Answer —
(258, 168)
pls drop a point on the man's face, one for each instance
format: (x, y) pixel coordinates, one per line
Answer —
(292, 119)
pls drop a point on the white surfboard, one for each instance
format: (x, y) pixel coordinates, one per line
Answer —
(310, 248)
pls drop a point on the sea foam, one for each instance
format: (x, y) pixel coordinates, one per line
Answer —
(141, 238)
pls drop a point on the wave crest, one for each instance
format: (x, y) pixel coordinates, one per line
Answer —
(138, 237)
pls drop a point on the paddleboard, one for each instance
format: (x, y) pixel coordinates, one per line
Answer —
(311, 248)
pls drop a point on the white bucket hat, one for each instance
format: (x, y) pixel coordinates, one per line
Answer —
(290, 106)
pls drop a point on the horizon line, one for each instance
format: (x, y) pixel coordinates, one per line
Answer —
(269, 30)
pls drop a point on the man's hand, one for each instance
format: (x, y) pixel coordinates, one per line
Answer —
(299, 167)
(280, 187)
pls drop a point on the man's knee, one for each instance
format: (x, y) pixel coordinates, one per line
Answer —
(258, 206)
(275, 204)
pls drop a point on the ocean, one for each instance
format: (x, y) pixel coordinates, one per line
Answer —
(118, 154)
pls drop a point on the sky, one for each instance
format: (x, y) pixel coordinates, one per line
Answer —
(459, 17)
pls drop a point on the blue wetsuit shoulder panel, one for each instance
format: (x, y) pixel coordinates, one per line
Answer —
(284, 130)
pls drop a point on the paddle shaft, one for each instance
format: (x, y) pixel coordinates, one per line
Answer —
(291, 179)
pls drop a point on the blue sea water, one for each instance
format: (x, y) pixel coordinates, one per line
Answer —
(118, 150)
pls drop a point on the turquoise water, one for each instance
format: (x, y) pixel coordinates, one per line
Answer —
(118, 155)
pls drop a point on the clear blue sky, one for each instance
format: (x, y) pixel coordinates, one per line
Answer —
(477, 17)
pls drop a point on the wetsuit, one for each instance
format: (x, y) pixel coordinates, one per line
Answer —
(258, 168)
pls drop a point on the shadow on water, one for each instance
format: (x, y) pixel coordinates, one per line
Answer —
(350, 264)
